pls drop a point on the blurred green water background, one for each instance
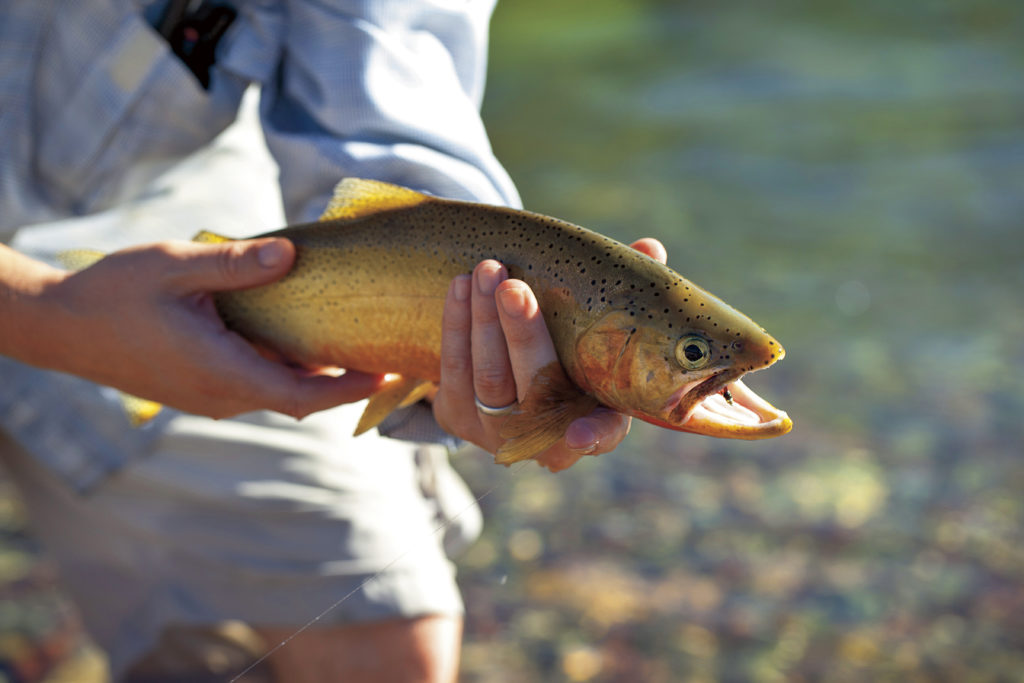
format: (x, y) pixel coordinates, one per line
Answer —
(850, 174)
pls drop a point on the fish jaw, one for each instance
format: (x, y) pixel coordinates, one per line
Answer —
(749, 417)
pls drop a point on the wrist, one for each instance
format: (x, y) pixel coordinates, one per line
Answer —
(27, 308)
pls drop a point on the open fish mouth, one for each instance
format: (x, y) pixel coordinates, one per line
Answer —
(738, 414)
(725, 407)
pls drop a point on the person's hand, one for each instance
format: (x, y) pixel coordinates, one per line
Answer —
(494, 340)
(143, 321)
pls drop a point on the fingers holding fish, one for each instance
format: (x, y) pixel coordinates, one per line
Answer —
(494, 340)
(494, 383)
(474, 359)
(518, 343)
(453, 406)
(534, 363)
(603, 429)
(651, 247)
(524, 333)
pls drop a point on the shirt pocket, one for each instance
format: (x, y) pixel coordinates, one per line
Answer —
(116, 106)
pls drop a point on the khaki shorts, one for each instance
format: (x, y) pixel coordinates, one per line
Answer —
(260, 520)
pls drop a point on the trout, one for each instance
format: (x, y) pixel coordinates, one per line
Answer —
(368, 287)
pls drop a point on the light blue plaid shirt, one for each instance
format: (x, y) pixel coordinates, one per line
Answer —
(93, 105)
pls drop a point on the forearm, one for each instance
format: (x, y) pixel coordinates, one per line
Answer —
(27, 316)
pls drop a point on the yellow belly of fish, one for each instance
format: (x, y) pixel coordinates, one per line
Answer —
(371, 333)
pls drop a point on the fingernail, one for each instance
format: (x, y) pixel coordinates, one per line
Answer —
(488, 279)
(460, 287)
(581, 438)
(513, 301)
(271, 254)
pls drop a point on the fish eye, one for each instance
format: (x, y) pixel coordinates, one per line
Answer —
(693, 352)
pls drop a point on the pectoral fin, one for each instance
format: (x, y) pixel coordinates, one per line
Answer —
(399, 393)
(551, 404)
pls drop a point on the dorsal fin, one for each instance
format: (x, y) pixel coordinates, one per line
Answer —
(356, 197)
(208, 237)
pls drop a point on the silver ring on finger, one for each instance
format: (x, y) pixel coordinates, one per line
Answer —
(494, 412)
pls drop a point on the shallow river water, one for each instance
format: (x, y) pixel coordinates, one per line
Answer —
(851, 175)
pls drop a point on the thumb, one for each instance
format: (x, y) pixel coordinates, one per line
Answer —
(237, 264)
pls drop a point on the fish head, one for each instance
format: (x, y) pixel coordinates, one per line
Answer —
(678, 364)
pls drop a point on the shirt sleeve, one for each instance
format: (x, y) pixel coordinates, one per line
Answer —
(383, 89)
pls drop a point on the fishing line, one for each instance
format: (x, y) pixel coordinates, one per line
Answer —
(340, 601)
